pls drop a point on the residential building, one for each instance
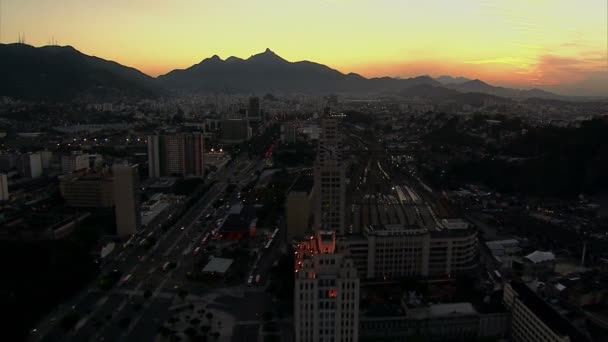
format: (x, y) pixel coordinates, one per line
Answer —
(330, 178)
(326, 295)
(289, 133)
(29, 165)
(4, 195)
(126, 198)
(176, 155)
(74, 162)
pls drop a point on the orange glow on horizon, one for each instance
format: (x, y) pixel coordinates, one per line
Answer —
(521, 43)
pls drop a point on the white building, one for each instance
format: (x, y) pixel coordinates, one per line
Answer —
(326, 299)
(396, 251)
(74, 162)
(4, 195)
(29, 165)
(534, 320)
(330, 179)
(126, 198)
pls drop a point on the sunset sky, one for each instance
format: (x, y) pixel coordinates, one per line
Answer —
(550, 44)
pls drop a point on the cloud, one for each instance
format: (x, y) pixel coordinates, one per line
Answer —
(585, 73)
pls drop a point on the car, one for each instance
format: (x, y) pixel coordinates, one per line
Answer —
(182, 228)
(250, 280)
(197, 250)
(257, 279)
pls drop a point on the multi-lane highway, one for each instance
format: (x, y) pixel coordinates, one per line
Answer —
(151, 278)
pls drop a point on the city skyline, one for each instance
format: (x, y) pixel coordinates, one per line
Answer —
(517, 44)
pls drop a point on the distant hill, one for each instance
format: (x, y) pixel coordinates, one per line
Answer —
(478, 86)
(62, 72)
(445, 80)
(269, 73)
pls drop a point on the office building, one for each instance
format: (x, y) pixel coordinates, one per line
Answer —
(29, 165)
(299, 208)
(88, 191)
(4, 195)
(126, 198)
(74, 162)
(176, 155)
(330, 178)
(326, 295)
(532, 319)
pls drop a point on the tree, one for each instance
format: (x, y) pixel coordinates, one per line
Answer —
(147, 294)
(209, 315)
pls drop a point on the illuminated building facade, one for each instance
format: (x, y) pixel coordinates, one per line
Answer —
(326, 300)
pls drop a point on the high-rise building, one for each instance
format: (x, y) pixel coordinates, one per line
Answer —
(47, 158)
(4, 195)
(176, 155)
(326, 294)
(156, 157)
(330, 178)
(126, 198)
(29, 165)
(298, 208)
(289, 133)
(234, 131)
(74, 162)
(254, 111)
(8, 161)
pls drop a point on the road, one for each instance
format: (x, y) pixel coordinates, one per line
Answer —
(133, 309)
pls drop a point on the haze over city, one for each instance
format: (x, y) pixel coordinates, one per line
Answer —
(559, 45)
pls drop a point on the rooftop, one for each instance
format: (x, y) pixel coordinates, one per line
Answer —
(217, 265)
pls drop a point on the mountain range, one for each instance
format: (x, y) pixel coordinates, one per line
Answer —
(54, 72)
(59, 73)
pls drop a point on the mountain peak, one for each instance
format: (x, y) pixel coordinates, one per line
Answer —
(267, 56)
(476, 81)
